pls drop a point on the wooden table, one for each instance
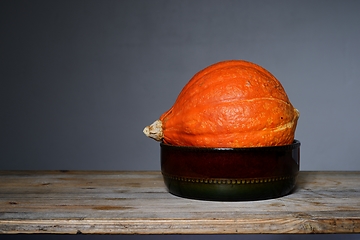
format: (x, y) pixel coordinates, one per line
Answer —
(111, 202)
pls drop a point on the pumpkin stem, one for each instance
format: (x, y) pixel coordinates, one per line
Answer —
(154, 130)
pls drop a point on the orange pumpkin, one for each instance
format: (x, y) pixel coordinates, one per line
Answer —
(229, 104)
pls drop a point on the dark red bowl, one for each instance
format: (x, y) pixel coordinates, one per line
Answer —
(230, 174)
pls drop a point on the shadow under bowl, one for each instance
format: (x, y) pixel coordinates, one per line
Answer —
(230, 174)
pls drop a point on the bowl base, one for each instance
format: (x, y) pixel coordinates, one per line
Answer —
(216, 189)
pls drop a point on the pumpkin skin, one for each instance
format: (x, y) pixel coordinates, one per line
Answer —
(229, 104)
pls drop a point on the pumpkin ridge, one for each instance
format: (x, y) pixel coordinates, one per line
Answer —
(205, 115)
(282, 127)
(233, 139)
(223, 65)
(245, 100)
(235, 87)
(264, 98)
(207, 98)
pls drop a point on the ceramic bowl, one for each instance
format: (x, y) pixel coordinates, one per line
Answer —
(230, 174)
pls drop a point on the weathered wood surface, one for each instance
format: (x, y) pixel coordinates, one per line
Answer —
(92, 202)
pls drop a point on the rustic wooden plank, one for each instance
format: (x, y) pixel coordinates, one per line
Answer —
(111, 202)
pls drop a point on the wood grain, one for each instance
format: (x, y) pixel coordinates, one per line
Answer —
(111, 202)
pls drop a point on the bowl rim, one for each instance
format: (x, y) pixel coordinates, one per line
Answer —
(296, 144)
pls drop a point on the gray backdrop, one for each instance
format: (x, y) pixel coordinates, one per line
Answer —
(81, 79)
